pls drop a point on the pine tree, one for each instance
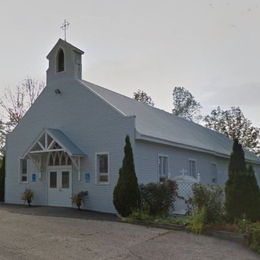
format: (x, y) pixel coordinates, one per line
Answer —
(242, 191)
(126, 195)
(252, 195)
(237, 158)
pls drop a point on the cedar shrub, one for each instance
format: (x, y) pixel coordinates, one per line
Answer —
(242, 191)
(126, 196)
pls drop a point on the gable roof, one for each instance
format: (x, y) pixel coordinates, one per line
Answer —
(57, 136)
(156, 125)
(61, 42)
(71, 148)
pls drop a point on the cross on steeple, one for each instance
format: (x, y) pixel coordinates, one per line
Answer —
(65, 27)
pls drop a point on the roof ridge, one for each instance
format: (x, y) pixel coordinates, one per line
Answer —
(222, 139)
(159, 109)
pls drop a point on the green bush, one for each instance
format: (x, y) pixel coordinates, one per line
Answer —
(140, 215)
(126, 196)
(242, 191)
(254, 237)
(197, 220)
(158, 198)
(79, 198)
(27, 196)
(209, 198)
(243, 225)
(2, 179)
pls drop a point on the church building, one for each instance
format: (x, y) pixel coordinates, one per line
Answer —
(72, 140)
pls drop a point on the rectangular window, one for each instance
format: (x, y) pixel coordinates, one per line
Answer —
(23, 170)
(214, 173)
(65, 180)
(53, 180)
(163, 168)
(102, 167)
(192, 168)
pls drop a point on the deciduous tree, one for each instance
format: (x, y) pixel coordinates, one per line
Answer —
(235, 125)
(185, 105)
(16, 102)
(143, 97)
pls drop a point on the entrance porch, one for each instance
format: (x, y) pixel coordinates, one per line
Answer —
(57, 159)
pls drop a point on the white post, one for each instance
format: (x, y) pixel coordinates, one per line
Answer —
(78, 168)
(198, 177)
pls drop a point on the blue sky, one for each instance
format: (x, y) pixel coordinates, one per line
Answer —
(211, 47)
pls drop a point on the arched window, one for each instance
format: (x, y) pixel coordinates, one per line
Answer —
(59, 158)
(60, 61)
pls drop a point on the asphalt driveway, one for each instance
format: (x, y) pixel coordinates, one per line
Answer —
(59, 233)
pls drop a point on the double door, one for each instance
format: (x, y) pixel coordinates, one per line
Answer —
(59, 186)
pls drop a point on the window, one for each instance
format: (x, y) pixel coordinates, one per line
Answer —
(163, 168)
(60, 61)
(53, 180)
(214, 173)
(65, 180)
(192, 168)
(23, 171)
(59, 158)
(102, 167)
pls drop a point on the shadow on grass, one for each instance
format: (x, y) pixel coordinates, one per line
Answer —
(59, 212)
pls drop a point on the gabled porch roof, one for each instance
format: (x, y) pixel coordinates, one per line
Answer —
(51, 140)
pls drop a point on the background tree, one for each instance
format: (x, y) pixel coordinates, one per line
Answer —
(16, 102)
(241, 189)
(235, 125)
(126, 196)
(185, 105)
(142, 96)
(2, 136)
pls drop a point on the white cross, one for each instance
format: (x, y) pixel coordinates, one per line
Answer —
(65, 27)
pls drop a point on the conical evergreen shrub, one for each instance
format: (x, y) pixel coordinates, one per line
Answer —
(126, 195)
(237, 158)
(242, 191)
(252, 195)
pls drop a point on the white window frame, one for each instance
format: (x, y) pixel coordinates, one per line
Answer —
(158, 167)
(98, 182)
(20, 171)
(216, 179)
(196, 168)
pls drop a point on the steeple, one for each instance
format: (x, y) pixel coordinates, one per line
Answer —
(64, 62)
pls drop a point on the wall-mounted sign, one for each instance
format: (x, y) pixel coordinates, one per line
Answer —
(34, 177)
(87, 177)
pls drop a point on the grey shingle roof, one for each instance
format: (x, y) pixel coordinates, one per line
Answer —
(65, 142)
(158, 124)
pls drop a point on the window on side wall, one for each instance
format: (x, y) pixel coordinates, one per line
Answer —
(214, 173)
(192, 168)
(23, 171)
(163, 168)
(102, 168)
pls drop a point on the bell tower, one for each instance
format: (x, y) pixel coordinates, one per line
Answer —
(64, 62)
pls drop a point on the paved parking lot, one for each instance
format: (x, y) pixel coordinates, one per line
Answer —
(59, 233)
